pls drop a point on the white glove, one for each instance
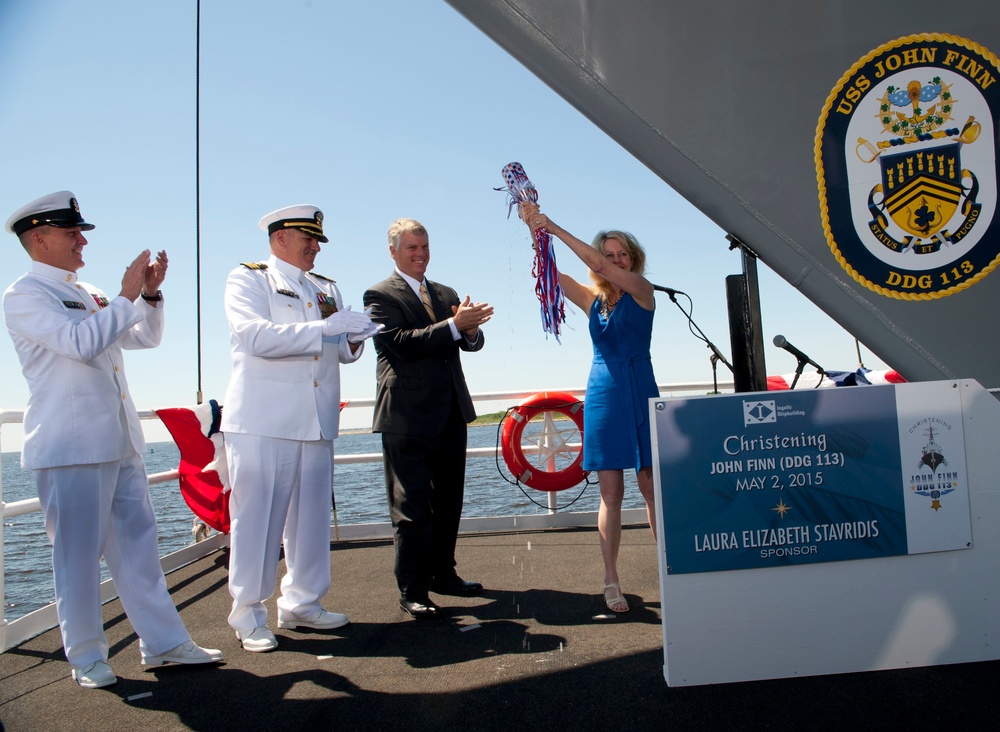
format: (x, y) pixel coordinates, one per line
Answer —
(345, 321)
(365, 334)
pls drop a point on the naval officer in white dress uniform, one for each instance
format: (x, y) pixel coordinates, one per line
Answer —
(289, 333)
(82, 438)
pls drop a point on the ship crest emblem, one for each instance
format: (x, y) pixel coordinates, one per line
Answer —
(907, 177)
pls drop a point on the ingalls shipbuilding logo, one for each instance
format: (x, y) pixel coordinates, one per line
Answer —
(907, 167)
(762, 411)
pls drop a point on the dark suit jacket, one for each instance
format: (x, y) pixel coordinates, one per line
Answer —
(419, 368)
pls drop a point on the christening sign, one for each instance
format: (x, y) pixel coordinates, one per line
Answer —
(768, 479)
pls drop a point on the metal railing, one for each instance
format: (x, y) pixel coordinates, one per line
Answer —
(17, 631)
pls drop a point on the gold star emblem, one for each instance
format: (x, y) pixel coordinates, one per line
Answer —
(781, 508)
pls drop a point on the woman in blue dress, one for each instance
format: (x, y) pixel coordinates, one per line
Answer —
(616, 437)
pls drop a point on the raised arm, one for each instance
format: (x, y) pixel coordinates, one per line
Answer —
(39, 316)
(631, 282)
(577, 293)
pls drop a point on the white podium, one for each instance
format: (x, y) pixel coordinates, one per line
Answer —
(831, 616)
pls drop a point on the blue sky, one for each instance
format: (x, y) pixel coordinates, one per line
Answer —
(372, 111)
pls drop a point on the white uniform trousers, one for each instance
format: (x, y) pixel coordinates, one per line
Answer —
(98, 509)
(282, 490)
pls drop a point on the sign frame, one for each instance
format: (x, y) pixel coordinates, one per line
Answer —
(885, 612)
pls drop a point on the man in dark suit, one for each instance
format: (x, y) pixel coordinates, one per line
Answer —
(422, 407)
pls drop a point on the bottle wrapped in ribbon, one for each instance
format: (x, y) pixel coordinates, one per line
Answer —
(550, 295)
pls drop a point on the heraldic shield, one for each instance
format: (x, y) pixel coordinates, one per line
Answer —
(921, 222)
(922, 189)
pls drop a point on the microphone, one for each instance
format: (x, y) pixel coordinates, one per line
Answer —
(670, 291)
(780, 342)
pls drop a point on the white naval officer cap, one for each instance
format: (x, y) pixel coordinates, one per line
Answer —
(56, 209)
(303, 216)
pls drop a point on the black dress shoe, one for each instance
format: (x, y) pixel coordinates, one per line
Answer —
(420, 609)
(455, 585)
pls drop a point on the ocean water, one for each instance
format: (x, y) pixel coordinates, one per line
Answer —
(360, 499)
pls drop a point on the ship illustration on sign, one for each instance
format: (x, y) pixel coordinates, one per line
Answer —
(936, 484)
(932, 456)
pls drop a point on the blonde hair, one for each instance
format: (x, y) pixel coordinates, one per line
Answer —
(630, 244)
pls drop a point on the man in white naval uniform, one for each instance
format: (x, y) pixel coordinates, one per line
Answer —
(82, 438)
(289, 334)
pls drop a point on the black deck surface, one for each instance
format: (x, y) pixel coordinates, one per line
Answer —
(537, 651)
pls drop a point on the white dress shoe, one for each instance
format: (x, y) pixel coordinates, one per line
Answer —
(186, 652)
(95, 675)
(319, 620)
(258, 640)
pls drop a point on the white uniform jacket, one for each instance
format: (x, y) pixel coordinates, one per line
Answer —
(286, 376)
(69, 337)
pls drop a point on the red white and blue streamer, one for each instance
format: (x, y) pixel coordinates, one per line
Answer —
(550, 295)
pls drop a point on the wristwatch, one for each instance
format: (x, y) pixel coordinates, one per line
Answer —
(152, 298)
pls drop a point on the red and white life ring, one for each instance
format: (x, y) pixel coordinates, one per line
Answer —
(535, 476)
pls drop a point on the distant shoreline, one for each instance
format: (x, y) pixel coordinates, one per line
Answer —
(483, 420)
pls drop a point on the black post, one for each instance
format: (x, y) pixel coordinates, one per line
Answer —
(745, 332)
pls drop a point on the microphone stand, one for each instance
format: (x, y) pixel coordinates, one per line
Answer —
(700, 334)
(798, 373)
(801, 359)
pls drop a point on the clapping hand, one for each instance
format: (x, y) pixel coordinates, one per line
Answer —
(135, 277)
(468, 315)
(346, 321)
(368, 332)
(156, 272)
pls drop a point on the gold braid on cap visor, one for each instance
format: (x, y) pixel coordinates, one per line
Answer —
(306, 225)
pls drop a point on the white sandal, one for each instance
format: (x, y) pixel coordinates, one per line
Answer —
(616, 601)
